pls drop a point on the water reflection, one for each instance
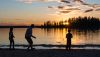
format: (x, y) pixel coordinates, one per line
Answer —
(54, 36)
(81, 37)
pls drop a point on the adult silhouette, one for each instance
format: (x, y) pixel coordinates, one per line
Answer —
(28, 36)
(11, 36)
(68, 36)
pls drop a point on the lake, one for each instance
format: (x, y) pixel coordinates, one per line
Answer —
(52, 36)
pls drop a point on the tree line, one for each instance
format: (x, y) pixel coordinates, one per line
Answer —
(79, 22)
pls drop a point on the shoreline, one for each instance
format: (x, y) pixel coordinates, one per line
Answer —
(42, 46)
(51, 45)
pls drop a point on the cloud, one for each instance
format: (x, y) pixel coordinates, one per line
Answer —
(66, 5)
(64, 1)
(50, 7)
(73, 9)
(60, 7)
(80, 5)
(88, 10)
(65, 11)
(97, 9)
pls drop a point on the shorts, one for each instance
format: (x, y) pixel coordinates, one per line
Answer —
(29, 40)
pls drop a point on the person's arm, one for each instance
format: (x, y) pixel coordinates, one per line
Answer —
(71, 36)
(33, 36)
(66, 36)
(13, 36)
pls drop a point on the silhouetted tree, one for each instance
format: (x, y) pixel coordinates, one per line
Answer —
(85, 23)
(79, 22)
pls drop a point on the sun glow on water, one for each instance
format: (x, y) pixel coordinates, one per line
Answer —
(67, 23)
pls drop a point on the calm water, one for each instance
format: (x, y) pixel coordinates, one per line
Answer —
(51, 36)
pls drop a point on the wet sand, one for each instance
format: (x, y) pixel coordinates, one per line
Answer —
(49, 53)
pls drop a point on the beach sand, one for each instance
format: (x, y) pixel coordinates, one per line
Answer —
(49, 53)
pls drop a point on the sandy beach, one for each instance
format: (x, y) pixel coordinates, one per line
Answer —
(49, 53)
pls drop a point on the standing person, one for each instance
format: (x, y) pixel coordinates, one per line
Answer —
(11, 36)
(68, 36)
(28, 36)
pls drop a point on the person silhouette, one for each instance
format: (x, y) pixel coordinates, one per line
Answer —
(68, 36)
(28, 36)
(11, 36)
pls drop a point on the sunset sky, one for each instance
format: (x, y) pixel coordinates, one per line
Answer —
(26, 12)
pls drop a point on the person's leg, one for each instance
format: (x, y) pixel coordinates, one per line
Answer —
(31, 43)
(10, 44)
(27, 38)
(70, 44)
(67, 46)
(13, 44)
(28, 47)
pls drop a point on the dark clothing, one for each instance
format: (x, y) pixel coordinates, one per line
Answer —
(68, 36)
(11, 36)
(28, 36)
(28, 33)
(29, 40)
(12, 43)
(68, 42)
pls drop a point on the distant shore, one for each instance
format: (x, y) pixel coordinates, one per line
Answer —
(14, 26)
(28, 26)
(49, 53)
